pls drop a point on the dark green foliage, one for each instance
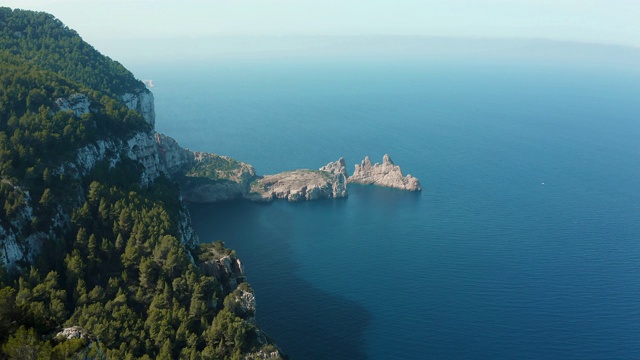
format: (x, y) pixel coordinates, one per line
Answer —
(40, 61)
(118, 269)
(144, 292)
(40, 39)
(214, 167)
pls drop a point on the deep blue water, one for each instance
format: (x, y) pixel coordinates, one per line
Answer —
(525, 242)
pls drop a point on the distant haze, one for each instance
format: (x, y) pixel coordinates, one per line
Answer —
(367, 49)
(102, 22)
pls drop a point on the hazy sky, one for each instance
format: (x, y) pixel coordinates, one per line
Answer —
(136, 31)
(602, 21)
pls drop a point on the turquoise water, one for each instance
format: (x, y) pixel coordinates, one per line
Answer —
(525, 242)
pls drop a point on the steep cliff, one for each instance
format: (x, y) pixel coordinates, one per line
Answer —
(385, 174)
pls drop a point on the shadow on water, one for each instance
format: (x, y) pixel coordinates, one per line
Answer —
(305, 321)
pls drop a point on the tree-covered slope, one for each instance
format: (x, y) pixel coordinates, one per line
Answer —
(107, 254)
(40, 39)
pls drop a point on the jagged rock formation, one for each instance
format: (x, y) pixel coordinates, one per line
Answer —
(337, 167)
(328, 182)
(385, 174)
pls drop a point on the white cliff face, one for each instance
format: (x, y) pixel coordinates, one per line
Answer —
(385, 174)
(88, 156)
(12, 247)
(142, 102)
(78, 103)
(142, 148)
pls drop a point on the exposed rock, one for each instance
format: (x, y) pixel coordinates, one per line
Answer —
(276, 354)
(74, 332)
(142, 102)
(227, 270)
(142, 147)
(336, 167)
(328, 182)
(175, 158)
(78, 103)
(385, 174)
(207, 178)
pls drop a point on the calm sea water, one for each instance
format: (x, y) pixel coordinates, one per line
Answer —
(525, 242)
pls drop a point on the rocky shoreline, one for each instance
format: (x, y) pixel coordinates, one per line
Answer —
(207, 178)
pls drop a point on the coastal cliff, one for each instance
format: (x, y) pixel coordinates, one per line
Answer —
(95, 239)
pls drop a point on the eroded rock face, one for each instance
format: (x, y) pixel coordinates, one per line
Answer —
(143, 149)
(228, 270)
(142, 102)
(297, 185)
(175, 158)
(385, 174)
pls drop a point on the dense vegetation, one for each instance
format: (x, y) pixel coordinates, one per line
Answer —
(116, 267)
(41, 40)
(214, 167)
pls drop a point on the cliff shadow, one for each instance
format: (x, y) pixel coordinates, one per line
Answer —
(304, 320)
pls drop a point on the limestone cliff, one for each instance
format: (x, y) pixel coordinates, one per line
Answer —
(175, 158)
(141, 147)
(141, 101)
(328, 182)
(385, 174)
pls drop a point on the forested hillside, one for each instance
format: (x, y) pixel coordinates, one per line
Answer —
(106, 254)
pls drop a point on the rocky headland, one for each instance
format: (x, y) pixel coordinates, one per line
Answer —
(207, 178)
(329, 181)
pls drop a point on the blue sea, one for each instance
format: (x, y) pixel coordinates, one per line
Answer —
(524, 244)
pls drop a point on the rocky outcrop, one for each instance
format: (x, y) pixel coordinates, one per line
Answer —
(385, 174)
(73, 332)
(328, 182)
(78, 103)
(175, 158)
(142, 102)
(227, 270)
(337, 167)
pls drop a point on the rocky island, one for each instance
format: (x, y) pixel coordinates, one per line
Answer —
(385, 174)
